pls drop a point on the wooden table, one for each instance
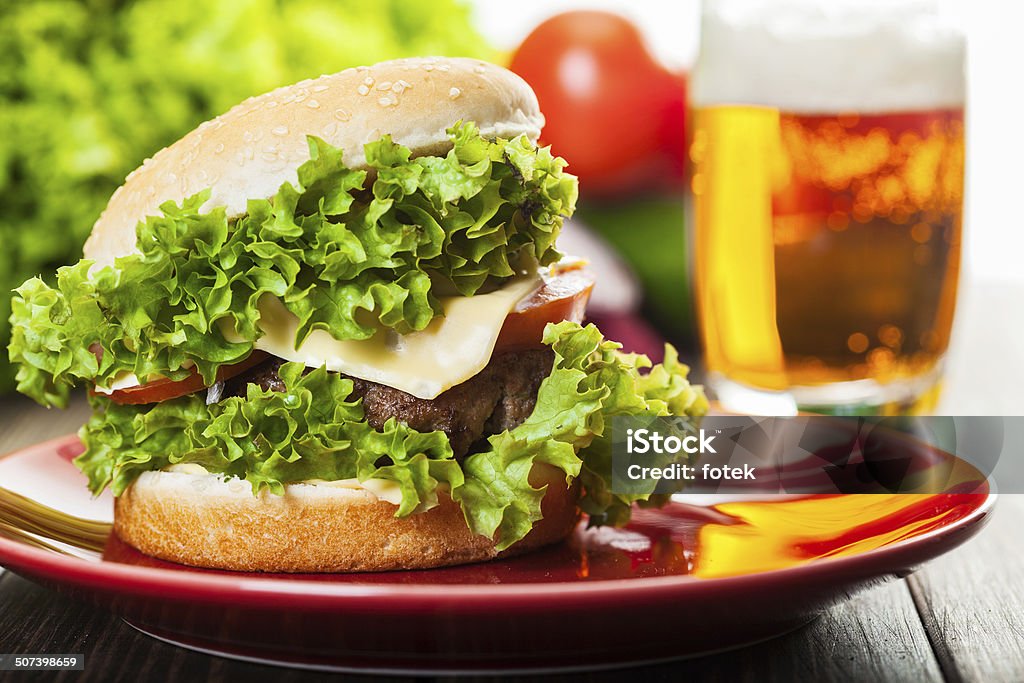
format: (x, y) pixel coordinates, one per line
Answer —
(960, 618)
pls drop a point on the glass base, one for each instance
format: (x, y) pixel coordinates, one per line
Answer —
(910, 396)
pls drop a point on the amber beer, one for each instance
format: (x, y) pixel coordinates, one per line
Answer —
(827, 240)
(828, 245)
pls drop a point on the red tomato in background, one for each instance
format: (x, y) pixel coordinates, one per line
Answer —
(615, 114)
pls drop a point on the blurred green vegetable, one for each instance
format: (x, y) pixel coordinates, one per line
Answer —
(650, 234)
(89, 88)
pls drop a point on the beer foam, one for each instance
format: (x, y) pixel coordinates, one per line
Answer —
(829, 56)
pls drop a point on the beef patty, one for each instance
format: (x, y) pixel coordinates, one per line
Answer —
(500, 397)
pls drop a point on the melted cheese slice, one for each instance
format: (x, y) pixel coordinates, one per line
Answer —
(450, 350)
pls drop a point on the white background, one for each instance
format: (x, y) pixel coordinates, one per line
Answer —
(993, 224)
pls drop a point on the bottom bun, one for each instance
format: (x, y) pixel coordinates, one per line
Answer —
(206, 521)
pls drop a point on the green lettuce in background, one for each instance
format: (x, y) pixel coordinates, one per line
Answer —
(631, 227)
(89, 88)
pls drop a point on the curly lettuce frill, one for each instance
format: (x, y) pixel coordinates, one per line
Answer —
(341, 256)
(316, 430)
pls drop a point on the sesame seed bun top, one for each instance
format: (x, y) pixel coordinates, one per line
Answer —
(252, 149)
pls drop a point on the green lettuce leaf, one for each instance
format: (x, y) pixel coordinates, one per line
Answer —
(310, 431)
(315, 430)
(591, 382)
(340, 258)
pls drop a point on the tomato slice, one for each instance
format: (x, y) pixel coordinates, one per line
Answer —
(164, 389)
(563, 296)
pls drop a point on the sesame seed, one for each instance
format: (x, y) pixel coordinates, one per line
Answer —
(280, 130)
(342, 115)
(313, 104)
(454, 93)
(363, 90)
(384, 85)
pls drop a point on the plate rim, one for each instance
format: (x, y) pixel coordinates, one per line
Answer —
(281, 589)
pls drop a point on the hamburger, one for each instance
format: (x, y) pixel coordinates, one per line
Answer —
(330, 331)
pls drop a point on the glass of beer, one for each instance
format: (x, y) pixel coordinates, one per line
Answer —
(827, 179)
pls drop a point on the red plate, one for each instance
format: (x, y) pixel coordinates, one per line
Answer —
(691, 578)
